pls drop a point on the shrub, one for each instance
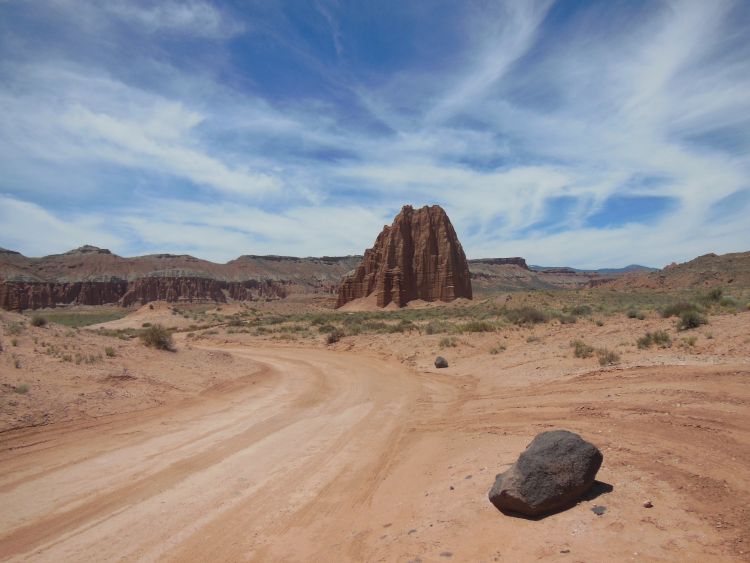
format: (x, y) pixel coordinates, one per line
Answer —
(146, 325)
(607, 357)
(16, 362)
(14, 329)
(689, 341)
(526, 315)
(477, 326)
(326, 328)
(568, 319)
(110, 352)
(581, 349)
(447, 342)
(156, 336)
(677, 309)
(660, 338)
(14, 342)
(691, 319)
(715, 294)
(436, 327)
(599, 322)
(334, 336)
(497, 349)
(581, 310)
(21, 389)
(38, 321)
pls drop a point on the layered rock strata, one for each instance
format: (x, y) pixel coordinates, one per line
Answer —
(417, 257)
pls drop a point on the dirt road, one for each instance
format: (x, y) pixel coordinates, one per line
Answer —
(330, 456)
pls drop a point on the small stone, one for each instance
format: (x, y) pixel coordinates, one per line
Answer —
(564, 551)
(598, 509)
(452, 488)
(441, 362)
(648, 504)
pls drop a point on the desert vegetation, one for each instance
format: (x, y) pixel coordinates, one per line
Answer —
(156, 336)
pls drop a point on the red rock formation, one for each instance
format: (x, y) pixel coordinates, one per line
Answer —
(417, 257)
(21, 295)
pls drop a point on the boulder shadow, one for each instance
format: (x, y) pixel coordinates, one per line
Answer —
(598, 489)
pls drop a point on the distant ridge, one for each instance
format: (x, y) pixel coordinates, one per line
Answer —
(601, 271)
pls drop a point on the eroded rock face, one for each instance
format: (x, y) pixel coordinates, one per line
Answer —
(554, 471)
(18, 296)
(417, 257)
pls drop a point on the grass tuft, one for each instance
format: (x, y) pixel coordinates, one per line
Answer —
(156, 336)
(581, 349)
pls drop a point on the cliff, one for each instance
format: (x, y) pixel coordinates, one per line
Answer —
(95, 276)
(417, 257)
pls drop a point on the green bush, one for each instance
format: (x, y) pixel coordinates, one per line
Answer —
(110, 352)
(21, 389)
(691, 319)
(581, 349)
(526, 315)
(38, 321)
(156, 336)
(677, 309)
(568, 319)
(635, 314)
(715, 294)
(660, 338)
(581, 310)
(497, 349)
(607, 357)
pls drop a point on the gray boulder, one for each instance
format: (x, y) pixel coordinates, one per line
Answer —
(554, 471)
(441, 362)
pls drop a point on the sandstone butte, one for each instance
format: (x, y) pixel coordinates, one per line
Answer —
(417, 257)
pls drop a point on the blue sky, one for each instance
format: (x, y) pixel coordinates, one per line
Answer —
(581, 133)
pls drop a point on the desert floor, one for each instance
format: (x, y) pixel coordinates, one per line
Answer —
(246, 446)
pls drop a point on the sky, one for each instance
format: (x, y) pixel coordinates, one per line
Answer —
(579, 133)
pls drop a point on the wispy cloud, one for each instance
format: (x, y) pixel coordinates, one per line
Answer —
(197, 18)
(528, 120)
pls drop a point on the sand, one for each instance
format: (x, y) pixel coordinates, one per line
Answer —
(263, 451)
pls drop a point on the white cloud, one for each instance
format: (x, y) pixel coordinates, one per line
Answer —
(196, 18)
(29, 228)
(496, 139)
(162, 144)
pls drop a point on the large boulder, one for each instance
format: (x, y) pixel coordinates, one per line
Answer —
(417, 257)
(554, 471)
(441, 362)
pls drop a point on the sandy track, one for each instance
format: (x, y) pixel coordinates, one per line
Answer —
(209, 478)
(330, 456)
